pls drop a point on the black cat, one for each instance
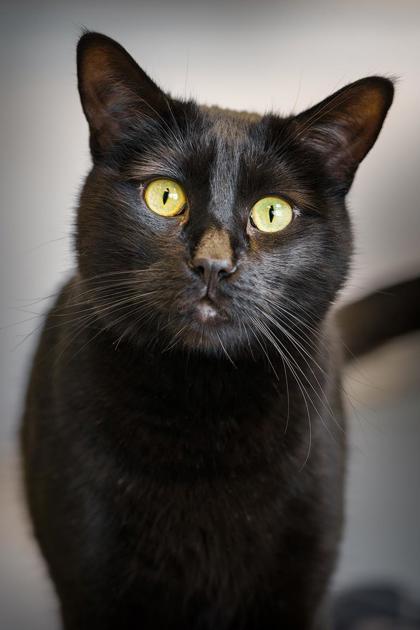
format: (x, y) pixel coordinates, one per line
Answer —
(184, 439)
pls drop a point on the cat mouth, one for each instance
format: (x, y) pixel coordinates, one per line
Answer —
(207, 312)
(207, 323)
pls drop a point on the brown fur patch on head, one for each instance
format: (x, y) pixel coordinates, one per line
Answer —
(230, 114)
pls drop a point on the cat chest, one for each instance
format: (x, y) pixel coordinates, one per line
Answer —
(214, 537)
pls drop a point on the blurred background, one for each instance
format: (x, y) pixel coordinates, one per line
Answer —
(256, 55)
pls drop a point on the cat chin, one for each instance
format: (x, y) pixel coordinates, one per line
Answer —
(207, 313)
(213, 337)
(202, 326)
(211, 346)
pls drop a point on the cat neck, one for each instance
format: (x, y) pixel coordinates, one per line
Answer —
(194, 381)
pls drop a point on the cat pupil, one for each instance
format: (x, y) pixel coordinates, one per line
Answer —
(165, 196)
(271, 213)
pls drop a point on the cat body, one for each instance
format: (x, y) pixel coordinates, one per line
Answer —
(184, 438)
(179, 494)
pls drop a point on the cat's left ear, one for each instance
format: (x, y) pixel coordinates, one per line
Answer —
(116, 94)
(344, 126)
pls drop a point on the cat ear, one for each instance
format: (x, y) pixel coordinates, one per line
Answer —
(344, 126)
(115, 92)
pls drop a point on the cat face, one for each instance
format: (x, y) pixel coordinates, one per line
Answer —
(210, 229)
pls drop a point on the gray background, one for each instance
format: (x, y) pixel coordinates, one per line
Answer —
(247, 55)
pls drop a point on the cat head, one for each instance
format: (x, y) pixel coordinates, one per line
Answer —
(210, 229)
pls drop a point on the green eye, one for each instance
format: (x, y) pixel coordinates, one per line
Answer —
(271, 214)
(165, 197)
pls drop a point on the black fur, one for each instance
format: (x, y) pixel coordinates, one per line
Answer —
(181, 472)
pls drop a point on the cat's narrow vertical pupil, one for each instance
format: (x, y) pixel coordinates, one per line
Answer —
(271, 213)
(165, 195)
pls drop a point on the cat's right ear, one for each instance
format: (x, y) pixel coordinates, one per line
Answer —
(116, 94)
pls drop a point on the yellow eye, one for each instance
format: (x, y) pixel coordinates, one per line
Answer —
(271, 214)
(165, 197)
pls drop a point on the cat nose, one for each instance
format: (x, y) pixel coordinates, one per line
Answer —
(213, 258)
(213, 269)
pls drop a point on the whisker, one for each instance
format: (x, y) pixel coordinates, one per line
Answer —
(225, 351)
(322, 398)
(269, 336)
